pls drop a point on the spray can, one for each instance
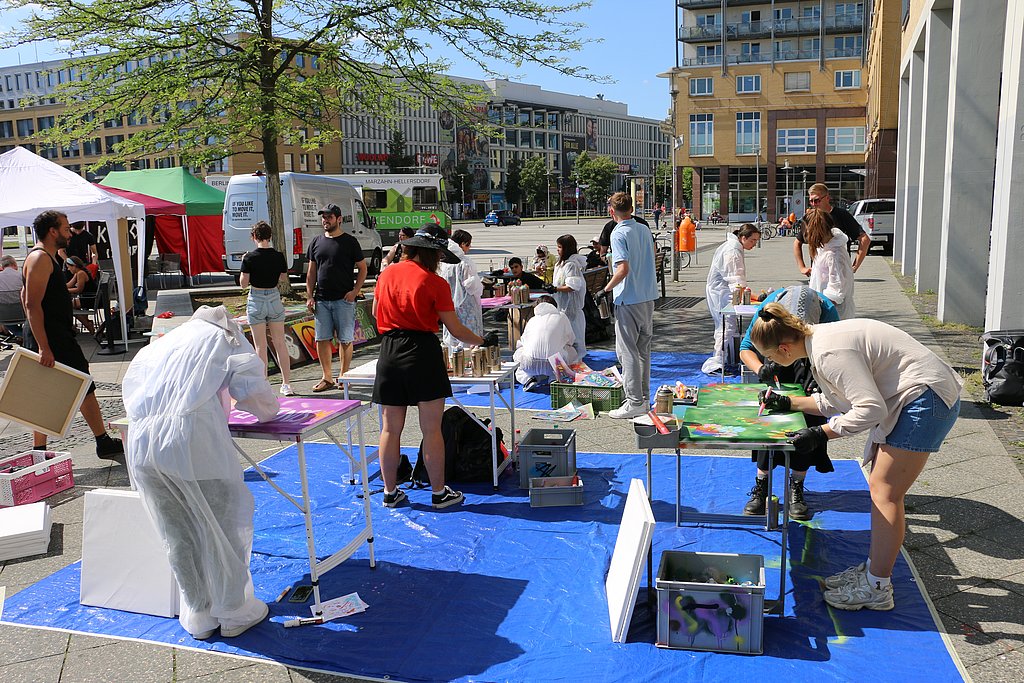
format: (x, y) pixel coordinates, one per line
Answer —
(479, 361)
(663, 400)
(746, 296)
(495, 356)
(499, 288)
(771, 509)
(458, 362)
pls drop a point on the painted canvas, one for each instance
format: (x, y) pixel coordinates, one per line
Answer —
(729, 423)
(740, 395)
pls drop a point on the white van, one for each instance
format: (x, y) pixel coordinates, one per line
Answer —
(302, 196)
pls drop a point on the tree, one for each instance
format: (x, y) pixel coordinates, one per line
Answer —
(687, 185)
(596, 173)
(216, 77)
(398, 161)
(534, 180)
(513, 186)
(663, 184)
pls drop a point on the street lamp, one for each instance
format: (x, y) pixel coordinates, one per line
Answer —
(787, 168)
(462, 194)
(579, 186)
(757, 183)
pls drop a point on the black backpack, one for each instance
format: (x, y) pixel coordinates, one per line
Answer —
(1002, 367)
(467, 452)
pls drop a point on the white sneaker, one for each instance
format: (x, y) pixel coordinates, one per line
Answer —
(286, 390)
(859, 595)
(844, 577)
(627, 411)
(239, 630)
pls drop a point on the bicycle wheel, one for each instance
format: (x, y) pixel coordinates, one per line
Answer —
(768, 232)
(684, 259)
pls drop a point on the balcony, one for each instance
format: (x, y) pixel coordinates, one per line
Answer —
(844, 53)
(712, 60)
(844, 23)
(801, 26)
(700, 34)
(796, 55)
(705, 4)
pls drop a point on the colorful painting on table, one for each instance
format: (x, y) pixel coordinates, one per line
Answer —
(729, 423)
(740, 395)
(297, 414)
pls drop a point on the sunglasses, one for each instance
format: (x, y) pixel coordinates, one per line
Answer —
(815, 200)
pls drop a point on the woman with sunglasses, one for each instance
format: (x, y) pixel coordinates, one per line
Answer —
(873, 378)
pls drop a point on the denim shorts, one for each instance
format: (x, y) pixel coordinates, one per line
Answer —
(338, 316)
(264, 306)
(923, 424)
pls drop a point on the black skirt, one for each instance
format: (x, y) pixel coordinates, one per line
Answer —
(410, 369)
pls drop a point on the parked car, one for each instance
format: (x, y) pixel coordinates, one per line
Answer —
(503, 217)
(877, 217)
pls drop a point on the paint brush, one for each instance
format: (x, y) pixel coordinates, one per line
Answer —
(767, 393)
(776, 378)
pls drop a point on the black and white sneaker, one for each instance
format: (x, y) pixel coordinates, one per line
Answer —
(446, 498)
(395, 498)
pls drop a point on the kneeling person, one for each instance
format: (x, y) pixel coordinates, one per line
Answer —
(548, 332)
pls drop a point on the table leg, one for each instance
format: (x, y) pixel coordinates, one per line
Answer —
(650, 549)
(493, 428)
(366, 490)
(679, 483)
(512, 416)
(307, 514)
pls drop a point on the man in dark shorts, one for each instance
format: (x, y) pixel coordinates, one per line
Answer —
(51, 324)
(818, 198)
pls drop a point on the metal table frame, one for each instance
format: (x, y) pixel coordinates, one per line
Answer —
(648, 439)
(730, 309)
(364, 375)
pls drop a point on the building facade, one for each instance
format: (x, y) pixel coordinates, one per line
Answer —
(530, 121)
(768, 98)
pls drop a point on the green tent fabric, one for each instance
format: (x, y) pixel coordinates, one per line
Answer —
(173, 185)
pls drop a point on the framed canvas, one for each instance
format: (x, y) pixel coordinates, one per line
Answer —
(631, 546)
(41, 398)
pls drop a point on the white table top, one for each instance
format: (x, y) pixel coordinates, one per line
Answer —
(367, 372)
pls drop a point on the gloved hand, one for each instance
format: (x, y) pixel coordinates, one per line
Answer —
(808, 440)
(550, 289)
(490, 339)
(775, 401)
(768, 372)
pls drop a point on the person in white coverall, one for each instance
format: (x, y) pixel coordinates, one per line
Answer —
(548, 332)
(467, 288)
(182, 460)
(728, 269)
(571, 288)
(831, 270)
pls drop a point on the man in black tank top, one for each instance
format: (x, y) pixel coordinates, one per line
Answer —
(51, 325)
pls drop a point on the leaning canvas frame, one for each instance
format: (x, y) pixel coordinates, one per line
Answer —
(631, 546)
(41, 398)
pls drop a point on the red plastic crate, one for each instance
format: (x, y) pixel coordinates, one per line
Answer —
(33, 475)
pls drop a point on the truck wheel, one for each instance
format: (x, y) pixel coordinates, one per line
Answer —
(237, 277)
(375, 262)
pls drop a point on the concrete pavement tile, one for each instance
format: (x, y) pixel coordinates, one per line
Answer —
(41, 670)
(994, 506)
(192, 663)
(1014, 583)
(19, 644)
(1010, 536)
(989, 608)
(941, 578)
(82, 642)
(971, 645)
(964, 477)
(301, 676)
(1003, 668)
(251, 673)
(121, 661)
(923, 531)
(974, 555)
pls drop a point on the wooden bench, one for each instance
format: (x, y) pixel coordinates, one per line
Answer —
(596, 279)
(659, 269)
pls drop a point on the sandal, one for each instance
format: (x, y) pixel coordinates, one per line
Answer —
(324, 385)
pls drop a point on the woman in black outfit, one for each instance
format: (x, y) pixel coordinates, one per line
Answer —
(262, 269)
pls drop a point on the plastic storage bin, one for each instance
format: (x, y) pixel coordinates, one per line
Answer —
(720, 616)
(554, 491)
(602, 398)
(33, 475)
(546, 453)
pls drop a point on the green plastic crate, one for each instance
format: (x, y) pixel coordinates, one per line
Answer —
(602, 398)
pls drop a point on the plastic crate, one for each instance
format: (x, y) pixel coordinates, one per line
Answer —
(602, 398)
(554, 491)
(546, 453)
(715, 617)
(33, 475)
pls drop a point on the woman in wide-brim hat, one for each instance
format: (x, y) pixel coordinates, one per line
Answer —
(410, 301)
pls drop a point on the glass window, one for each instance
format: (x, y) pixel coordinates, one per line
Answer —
(702, 86)
(749, 17)
(111, 141)
(553, 120)
(848, 46)
(524, 118)
(797, 140)
(848, 79)
(511, 138)
(709, 54)
(300, 61)
(92, 147)
(812, 11)
(708, 20)
(748, 84)
(26, 128)
(702, 134)
(748, 131)
(72, 151)
(45, 122)
(553, 141)
(784, 13)
(288, 162)
(797, 80)
(538, 119)
(510, 116)
(750, 49)
(849, 8)
(525, 138)
(845, 139)
(6, 130)
(539, 139)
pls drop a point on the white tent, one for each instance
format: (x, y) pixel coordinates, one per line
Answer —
(30, 185)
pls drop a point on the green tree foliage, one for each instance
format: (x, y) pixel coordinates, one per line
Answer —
(687, 185)
(398, 161)
(219, 76)
(663, 184)
(534, 179)
(513, 182)
(596, 173)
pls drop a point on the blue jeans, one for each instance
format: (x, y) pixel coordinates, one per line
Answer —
(335, 318)
(923, 424)
(264, 306)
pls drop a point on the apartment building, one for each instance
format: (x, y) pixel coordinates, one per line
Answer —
(530, 121)
(770, 97)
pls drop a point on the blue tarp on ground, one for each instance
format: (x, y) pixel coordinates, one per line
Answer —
(666, 368)
(495, 590)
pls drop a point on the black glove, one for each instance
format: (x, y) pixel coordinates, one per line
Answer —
(808, 440)
(775, 401)
(490, 339)
(768, 372)
(550, 289)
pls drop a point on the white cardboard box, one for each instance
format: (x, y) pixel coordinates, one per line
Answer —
(124, 564)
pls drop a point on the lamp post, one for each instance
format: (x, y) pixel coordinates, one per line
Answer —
(757, 183)
(462, 194)
(579, 186)
(786, 168)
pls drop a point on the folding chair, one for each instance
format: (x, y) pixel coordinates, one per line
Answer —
(100, 304)
(12, 315)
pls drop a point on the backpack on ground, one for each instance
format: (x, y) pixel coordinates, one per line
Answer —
(467, 452)
(1002, 367)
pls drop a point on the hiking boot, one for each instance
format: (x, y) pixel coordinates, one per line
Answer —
(849, 575)
(797, 507)
(110, 449)
(395, 498)
(755, 506)
(446, 498)
(859, 595)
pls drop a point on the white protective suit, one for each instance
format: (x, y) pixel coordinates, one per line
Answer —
(728, 269)
(182, 461)
(832, 274)
(570, 274)
(548, 332)
(467, 288)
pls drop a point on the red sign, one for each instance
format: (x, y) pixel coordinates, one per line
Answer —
(426, 159)
(363, 156)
